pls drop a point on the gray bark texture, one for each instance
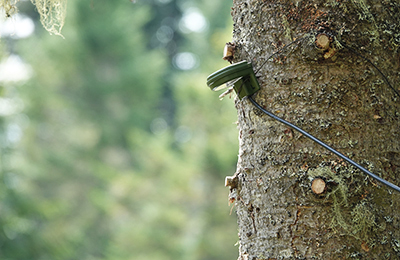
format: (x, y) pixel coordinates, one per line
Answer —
(340, 98)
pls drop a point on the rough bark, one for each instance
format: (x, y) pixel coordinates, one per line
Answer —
(340, 98)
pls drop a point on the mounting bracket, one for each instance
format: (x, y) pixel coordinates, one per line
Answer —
(242, 73)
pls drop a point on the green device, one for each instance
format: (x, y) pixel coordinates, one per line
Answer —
(246, 82)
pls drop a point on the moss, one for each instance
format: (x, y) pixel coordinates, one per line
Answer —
(338, 220)
(286, 25)
(363, 11)
(338, 196)
(363, 219)
(9, 7)
(52, 14)
(360, 223)
(350, 216)
(340, 192)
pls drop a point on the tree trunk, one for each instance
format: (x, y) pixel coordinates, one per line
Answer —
(294, 199)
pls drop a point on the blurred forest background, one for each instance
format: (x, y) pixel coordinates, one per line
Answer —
(111, 145)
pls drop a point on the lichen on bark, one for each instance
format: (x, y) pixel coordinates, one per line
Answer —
(337, 96)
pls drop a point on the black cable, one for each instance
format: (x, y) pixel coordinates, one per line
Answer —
(389, 184)
(373, 65)
(278, 51)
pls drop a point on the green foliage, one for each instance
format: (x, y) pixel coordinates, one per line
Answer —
(101, 171)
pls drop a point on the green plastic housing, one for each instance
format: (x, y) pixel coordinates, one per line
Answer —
(243, 72)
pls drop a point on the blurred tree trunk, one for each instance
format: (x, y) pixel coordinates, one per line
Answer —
(337, 96)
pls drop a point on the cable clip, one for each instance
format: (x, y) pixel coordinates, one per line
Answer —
(242, 74)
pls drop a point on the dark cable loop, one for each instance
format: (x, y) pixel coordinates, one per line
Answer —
(389, 184)
(278, 51)
(373, 65)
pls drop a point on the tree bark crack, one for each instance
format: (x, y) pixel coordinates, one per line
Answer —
(292, 226)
